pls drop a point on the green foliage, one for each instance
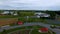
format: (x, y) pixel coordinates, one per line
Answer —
(18, 13)
(31, 19)
(52, 14)
(26, 13)
(53, 26)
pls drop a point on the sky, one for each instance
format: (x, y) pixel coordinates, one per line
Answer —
(30, 4)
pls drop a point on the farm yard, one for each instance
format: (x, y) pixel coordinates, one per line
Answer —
(22, 18)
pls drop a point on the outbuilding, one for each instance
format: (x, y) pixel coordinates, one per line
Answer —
(43, 30)
(20, 22)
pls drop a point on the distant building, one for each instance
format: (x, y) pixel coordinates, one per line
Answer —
(42, 15)
(9, 12)
(15, 14)
(20, 22)
(5, 12)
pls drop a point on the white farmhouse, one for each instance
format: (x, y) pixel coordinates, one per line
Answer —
(15, 14)
(7, 12)
(42, 15)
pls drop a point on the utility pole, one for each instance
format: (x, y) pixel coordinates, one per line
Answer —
(27, 18)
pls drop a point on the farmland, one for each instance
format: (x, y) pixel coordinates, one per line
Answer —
(6, 21)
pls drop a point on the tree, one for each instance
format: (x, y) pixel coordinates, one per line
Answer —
(1, 11)
(18, 13)
(9, 13)
(4, 31)
(52, 14)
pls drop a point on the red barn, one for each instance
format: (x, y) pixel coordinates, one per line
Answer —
(43, 30)
(20, 22)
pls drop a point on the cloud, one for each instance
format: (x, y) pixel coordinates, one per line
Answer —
(30, 4)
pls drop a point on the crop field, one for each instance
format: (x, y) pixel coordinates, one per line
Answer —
(6, 21)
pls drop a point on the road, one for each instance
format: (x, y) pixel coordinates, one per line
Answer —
(53, 21)
(57, 31)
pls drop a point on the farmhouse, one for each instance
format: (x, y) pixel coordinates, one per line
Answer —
(6, 12)
(9, 12)
(15, 14)
(42, 15)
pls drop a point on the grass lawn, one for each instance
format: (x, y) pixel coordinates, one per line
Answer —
(32, 20)
(35, 31)
(34, 27)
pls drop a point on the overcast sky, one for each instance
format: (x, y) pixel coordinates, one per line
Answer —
(30, 4)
